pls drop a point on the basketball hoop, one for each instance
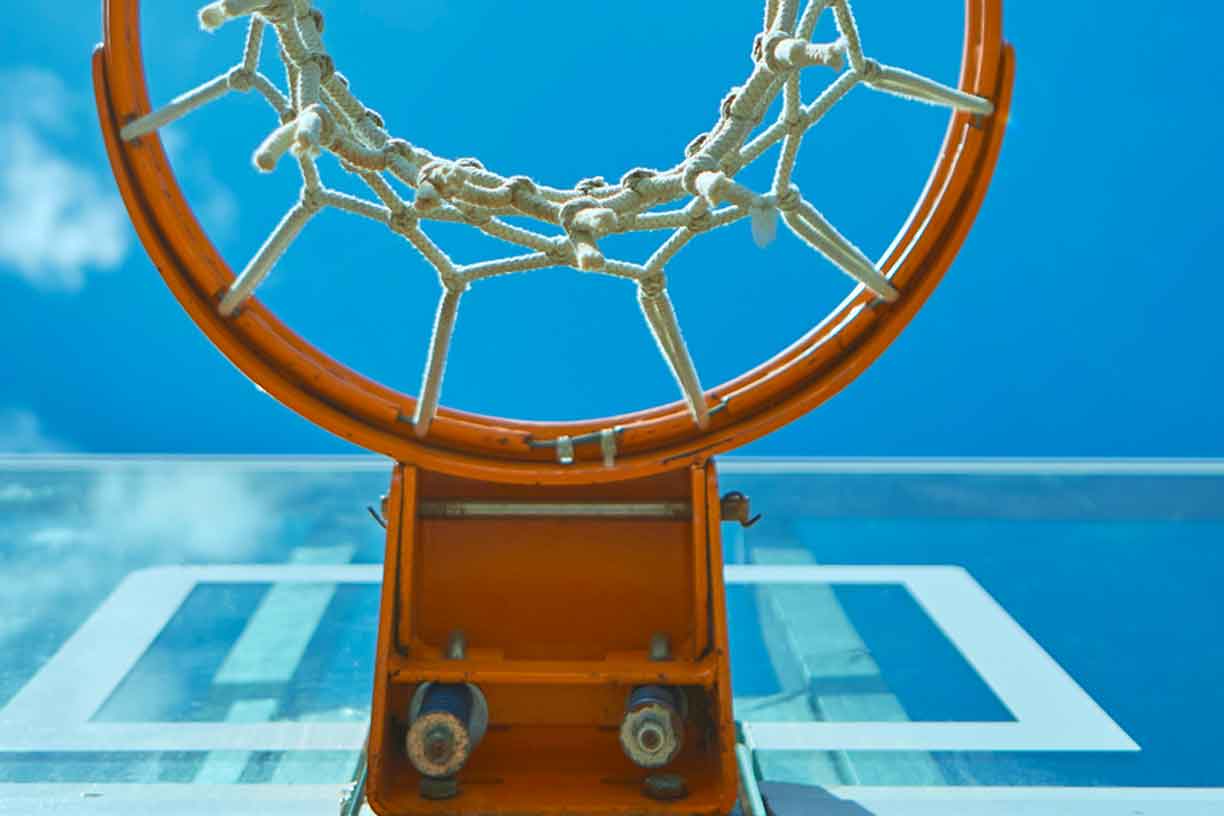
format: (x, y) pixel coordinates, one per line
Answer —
(320, 113)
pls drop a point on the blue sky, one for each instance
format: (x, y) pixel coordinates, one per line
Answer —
(1080, 318)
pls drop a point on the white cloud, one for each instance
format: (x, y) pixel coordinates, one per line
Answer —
(59, 216)
(22, 432)
(209, 512)
(126, 518)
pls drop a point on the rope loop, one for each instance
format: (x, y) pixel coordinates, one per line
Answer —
(446, 177)
(520, 187)
(589, 216)
(694, 147)
(768, 53)
(695, 167)
(317, 16)
(725, 108)
(375, 118)
(427, 198)
(327, 66)
(636, 176)
(402, 148)
(790, 200)
(588, 185)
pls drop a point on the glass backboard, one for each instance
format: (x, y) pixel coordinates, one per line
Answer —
(908, 637)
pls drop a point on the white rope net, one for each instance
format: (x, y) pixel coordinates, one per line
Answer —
(320, 113)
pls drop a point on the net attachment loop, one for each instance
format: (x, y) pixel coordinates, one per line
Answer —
(607, 438)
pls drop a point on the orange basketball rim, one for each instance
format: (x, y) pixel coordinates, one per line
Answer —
(488, 448)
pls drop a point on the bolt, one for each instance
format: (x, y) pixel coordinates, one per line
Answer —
(665, 786)
(650, 737)
(434, 787)
(456, 645)
(439, 744)
(660, 646)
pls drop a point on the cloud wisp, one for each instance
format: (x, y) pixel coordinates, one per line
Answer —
(21, 431)
(59, 216)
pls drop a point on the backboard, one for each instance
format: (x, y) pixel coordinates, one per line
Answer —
(908, 637)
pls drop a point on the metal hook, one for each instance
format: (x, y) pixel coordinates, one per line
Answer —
(735, 506)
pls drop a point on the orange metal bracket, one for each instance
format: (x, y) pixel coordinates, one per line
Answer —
(558, 613)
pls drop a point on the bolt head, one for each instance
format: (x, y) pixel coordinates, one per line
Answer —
(652, 735)
(665, 786)
(439, 787)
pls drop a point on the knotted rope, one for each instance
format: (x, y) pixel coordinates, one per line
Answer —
(320, 114)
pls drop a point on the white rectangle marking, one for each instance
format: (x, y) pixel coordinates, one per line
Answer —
(1052, 712)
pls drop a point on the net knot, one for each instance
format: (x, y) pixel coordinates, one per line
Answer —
(375, 118)
(327, 66)
(316, 130)
(726, 108)
(636, 176)
(427, 197)
(475, 217)
(316, 16)
(453, 281)
(561, 252)
(789, 201)
(695, 167)
(765, 49)
(587, 215)
(694, 147)
(240, 79)
(440, 179)
(651, 287)
(400, 147)
(588, 185)
(216, 14)
(700, 222)
(277, 11)
(520, 187)
(312, 198)
(402, 220)
(584, 221)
